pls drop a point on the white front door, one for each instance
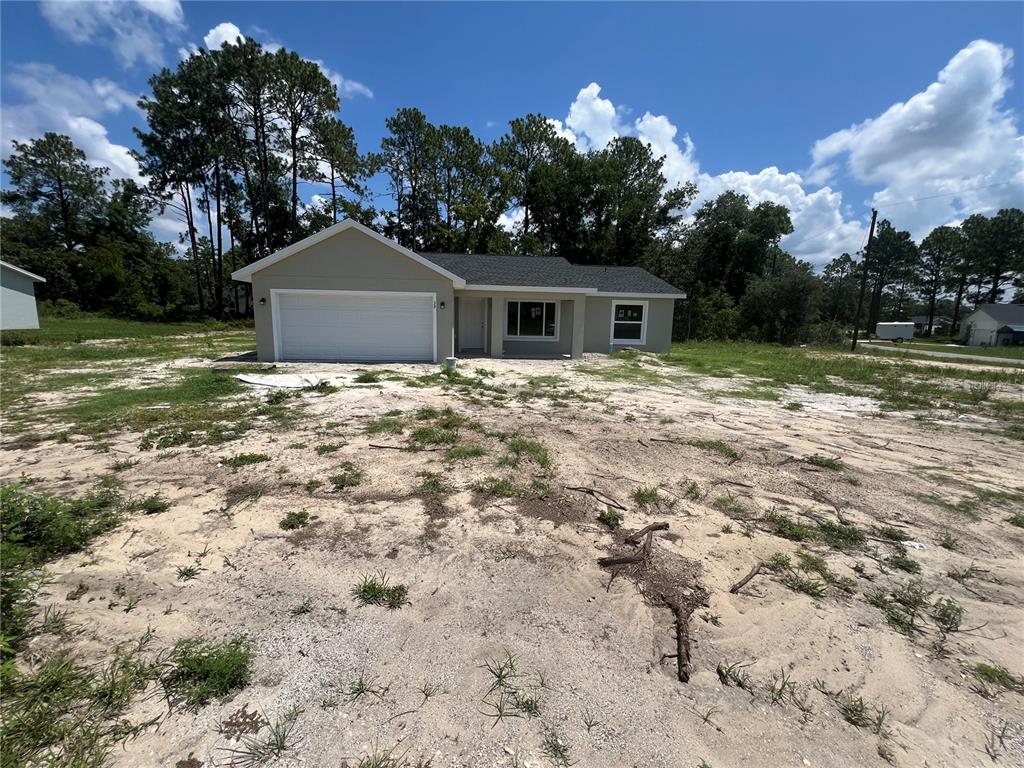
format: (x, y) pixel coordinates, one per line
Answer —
(353, 325)
(471, 323)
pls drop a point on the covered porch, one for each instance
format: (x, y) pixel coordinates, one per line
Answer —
(536, 323)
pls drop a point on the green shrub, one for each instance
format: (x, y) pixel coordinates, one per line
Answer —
(347, 476)
(294, 520)
(244, 459)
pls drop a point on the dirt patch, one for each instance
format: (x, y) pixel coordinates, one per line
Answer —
(488, 575)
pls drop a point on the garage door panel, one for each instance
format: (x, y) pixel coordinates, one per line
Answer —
(355, 327)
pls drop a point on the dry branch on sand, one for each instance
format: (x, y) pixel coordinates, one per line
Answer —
(664, 586)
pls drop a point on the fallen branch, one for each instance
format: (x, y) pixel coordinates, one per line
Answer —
(634, 538)
(682, 641)
(598, 495)
(400, 448)
(743, 582)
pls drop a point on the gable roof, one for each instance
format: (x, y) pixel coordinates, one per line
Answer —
(1003, 313)
(496, 271)
(245, 273)
(23, 272)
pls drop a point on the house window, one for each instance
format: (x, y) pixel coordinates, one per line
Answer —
(629, 322)
(532, 320)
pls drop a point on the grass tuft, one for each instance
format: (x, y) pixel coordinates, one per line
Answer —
(375, 589)
(201, 670)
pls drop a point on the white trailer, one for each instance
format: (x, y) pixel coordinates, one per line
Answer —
(894, 331)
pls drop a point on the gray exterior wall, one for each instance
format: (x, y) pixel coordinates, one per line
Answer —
(599, 324)
(350, 261)
(979, 328)
(17, 301)
(499, 346)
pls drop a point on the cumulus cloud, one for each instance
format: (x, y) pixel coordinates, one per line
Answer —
(594, 121)
(52, 100)
(512, 220)
(954, 144)
(946, 152)
(134, 31)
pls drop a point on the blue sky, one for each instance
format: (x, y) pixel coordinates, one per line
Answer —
(827, 107)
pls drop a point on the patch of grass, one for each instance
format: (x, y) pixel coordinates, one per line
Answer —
(375, 589)
(187, 572)
(1017, 519)
(610, 517)
(730, 506)
(324, 448)
(556, 750)
(993, 674)
(294, 520)
(499, 486)
(306, 606)
(900, 560)
(121, 465)
(434, 435)
(433, 484)
(715, 446)
(368, 377)
(59, 712)
(791, 529)
(244, 460)
(243, 492)
(347, 475)
(825, 462)
(519, 447)
(34, 529)
(260, 748)
(793, 406)
(150, 505)
(646, 496)
(201, 670)
(385, 425)
(463, 452)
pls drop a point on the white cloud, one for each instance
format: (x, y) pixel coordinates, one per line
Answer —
(134, 31)
(944, 143)
(63, 103)
(593, 120)
(347, 89)
(512, 220)
(953, 149)
(561, 130)
(223, 33)
(681, 163)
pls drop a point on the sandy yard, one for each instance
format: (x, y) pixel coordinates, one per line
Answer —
(510, 570)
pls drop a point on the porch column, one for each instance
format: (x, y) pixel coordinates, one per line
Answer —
(579, 318)
(497, 326)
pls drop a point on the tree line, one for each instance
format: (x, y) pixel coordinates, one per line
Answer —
(234, 136)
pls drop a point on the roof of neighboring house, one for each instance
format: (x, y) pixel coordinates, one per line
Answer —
(1015, 328)
(491, 269)
(24, 272)
(1003, 313)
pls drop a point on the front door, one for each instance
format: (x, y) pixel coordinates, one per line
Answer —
(471, 323)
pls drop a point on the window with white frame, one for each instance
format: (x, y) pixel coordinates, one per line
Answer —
(536, 320)
(629, 322)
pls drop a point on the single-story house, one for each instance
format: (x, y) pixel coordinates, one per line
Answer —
(940, 325)
(349, 293)
(18, 298)
(997, 325)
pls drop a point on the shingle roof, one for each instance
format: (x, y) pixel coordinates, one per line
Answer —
(548, 272)
(1003, 313)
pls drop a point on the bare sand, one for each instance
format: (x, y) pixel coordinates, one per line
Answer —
(489, 576)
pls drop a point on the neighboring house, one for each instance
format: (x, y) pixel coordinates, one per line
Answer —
(940, 325)
(997, 325)
(349, 293)
(18, 297)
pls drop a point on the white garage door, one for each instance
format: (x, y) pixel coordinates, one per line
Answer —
(354, 326)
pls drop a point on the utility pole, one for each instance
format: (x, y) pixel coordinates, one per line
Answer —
(863, 280)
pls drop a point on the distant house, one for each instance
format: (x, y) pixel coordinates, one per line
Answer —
(18, 297)
(940, 325)
(997, 325)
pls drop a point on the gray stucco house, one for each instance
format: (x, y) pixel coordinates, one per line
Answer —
(997, 325)
(18, 298)
(349, 293)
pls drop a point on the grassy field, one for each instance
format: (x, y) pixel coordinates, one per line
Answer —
(1010, 353)
(89, 327)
